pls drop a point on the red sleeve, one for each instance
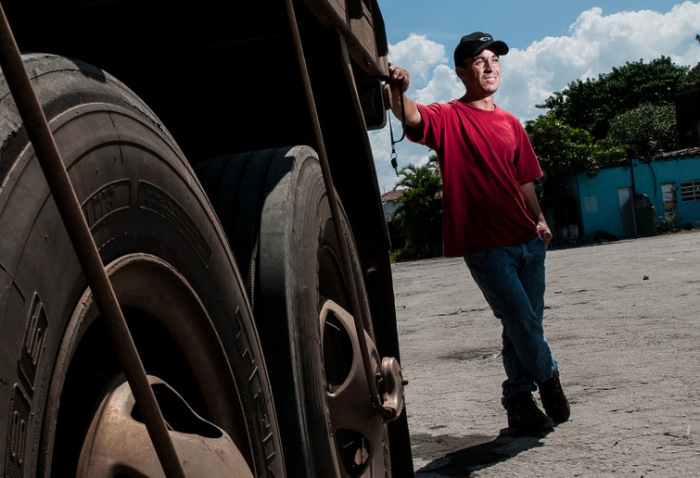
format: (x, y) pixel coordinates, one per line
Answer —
(429, 135)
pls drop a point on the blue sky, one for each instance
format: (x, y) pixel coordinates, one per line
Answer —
(517, 22)
(552, 44)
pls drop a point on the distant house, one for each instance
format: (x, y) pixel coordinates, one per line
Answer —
(390, 202)
(632, 199)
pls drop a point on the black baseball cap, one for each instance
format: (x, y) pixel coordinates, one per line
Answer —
(474, 43)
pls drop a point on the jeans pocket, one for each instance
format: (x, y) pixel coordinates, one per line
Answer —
(544, 244)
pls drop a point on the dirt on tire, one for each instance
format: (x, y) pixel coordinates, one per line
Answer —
(623, 321)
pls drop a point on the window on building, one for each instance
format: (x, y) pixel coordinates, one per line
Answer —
(690, 191)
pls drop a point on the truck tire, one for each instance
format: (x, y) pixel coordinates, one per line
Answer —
(275, 210)
(170, 265)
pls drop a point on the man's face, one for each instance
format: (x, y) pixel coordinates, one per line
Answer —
(481, 74)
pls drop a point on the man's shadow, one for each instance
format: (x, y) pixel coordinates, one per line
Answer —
(481, 455)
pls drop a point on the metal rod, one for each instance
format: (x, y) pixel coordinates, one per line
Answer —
(71, 213)
(335, 213)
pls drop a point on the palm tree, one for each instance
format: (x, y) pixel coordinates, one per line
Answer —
(419, 216)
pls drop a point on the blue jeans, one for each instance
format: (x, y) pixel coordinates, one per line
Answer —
(512, 280)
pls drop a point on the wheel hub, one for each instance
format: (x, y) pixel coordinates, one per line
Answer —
(356, 423)
(118, 442)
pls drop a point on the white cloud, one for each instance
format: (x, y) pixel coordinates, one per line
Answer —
(596, 43)
(417, 55)
(443, 86)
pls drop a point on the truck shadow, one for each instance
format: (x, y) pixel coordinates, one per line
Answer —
(481, 452)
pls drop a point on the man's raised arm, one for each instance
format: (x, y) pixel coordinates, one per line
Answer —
(398, 82)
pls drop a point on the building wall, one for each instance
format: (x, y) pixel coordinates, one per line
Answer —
(600, 197)
(599, 201)
(653, 176)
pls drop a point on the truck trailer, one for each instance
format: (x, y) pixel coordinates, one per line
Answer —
(219, 161)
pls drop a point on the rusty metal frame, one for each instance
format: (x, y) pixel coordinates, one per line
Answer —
(71, 213)
(387, 413)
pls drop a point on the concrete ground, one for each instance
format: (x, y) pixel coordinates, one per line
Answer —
(623, 321)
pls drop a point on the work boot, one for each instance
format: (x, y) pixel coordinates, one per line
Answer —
(553, 399)
(523, 414)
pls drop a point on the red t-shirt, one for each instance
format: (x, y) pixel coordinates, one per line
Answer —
(484, 157)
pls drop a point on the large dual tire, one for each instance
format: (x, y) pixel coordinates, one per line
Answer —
(275, 209)
(171, 267)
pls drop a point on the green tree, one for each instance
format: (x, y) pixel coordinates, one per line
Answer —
(564, 151)
(591, 104)
(419, 216)
(646, 129)
(692, 79)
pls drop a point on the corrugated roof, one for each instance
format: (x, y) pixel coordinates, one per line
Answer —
(393, 195)
(682, 153)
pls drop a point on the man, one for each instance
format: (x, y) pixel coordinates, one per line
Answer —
(492, 218)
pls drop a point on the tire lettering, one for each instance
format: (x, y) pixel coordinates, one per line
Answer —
(242, 338)
(18, 426)
(110, 198)
(255, 385)
(263, 421)
(34, 338)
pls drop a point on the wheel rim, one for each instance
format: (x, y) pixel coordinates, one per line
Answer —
(163, 310)
(118, 439)
(358, 431)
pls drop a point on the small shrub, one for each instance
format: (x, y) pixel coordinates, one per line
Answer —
(667, 224)
(399, 255)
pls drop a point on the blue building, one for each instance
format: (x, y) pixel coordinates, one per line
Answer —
(633, 199)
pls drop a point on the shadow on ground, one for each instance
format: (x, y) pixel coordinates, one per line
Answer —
(475, 452)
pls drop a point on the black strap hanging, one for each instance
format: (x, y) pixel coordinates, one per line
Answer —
(394, 163)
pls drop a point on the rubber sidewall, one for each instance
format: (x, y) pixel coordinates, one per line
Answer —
(138, 195)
